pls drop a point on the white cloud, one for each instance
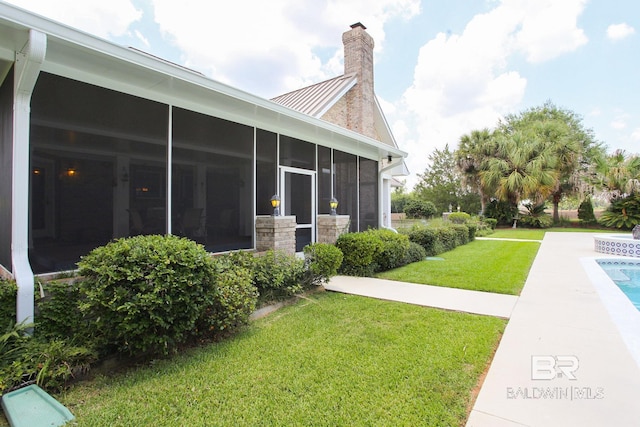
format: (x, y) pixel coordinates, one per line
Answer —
(101, 18)
(617, 32)
(271, 47)
(549, 28)
(463, 81)
(636, 135)
(618, 124)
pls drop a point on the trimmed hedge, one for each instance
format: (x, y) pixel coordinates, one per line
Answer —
(442, 238)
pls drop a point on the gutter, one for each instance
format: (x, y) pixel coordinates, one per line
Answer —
(28, 63)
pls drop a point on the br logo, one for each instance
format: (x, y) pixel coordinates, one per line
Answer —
(552, 367)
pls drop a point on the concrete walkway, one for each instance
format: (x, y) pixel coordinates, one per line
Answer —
(431, 296)
(563, 360)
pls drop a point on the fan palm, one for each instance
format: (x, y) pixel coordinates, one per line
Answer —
(523, 167)
(472, 155)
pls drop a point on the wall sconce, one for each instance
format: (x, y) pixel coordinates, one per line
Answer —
(70, 172)
(275, 204)
(124, 176)
(389, 158)
(333, 204)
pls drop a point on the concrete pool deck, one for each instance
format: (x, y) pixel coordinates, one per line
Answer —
(561, 319)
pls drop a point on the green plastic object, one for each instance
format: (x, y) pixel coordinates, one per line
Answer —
(31, 406)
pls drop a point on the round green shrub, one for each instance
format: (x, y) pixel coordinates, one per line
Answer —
(322, 262)
(416, 208)
(144, 294)
(427, 238)
(230, 306)
(278, 275)
(394, 249)
(360, 251)
(459, 217)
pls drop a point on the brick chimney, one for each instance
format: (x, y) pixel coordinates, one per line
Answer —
(358, 59)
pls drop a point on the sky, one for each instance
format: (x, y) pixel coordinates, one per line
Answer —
(442, 67)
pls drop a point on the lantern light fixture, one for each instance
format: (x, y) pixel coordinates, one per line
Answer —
(275, 204)
(333, 204)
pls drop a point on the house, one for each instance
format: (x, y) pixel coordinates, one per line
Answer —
(100, 141)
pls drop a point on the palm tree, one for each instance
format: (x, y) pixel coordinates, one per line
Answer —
(474, 151)
(523, 168)
(619, 173)
(574, 147)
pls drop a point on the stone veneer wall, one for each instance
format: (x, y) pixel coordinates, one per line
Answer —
(330, 227)
(276, 232)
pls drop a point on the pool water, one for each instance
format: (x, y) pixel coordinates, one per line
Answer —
(626, 275)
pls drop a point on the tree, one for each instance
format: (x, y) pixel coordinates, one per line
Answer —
(441, 184)
(522, 168)
(474, 151)
(564, 136)
(399, 201)
(618, 173)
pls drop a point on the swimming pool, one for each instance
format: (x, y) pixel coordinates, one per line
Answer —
(624, 314)
(625, 274)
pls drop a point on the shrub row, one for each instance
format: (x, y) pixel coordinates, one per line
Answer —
(368, 252)
(144, 296)
(442, 238)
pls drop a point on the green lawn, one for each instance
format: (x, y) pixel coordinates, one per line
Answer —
(518, 233)
(328, 360)
(482, 265)
(535, 234)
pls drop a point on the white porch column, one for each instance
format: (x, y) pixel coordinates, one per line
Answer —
(27, 68)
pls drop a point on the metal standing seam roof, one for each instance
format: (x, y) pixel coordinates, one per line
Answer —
(316, 99)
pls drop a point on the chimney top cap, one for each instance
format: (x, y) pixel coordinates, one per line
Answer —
(358, 24)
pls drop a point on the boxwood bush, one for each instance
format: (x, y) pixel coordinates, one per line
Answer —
(231, 304)
(394, 251)
(278, 275)
(322, 261)
(360, 251)
(459, 217)
(427, 238)
(147, 294)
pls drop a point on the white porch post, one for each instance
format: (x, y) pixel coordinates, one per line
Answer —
(27, 68)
